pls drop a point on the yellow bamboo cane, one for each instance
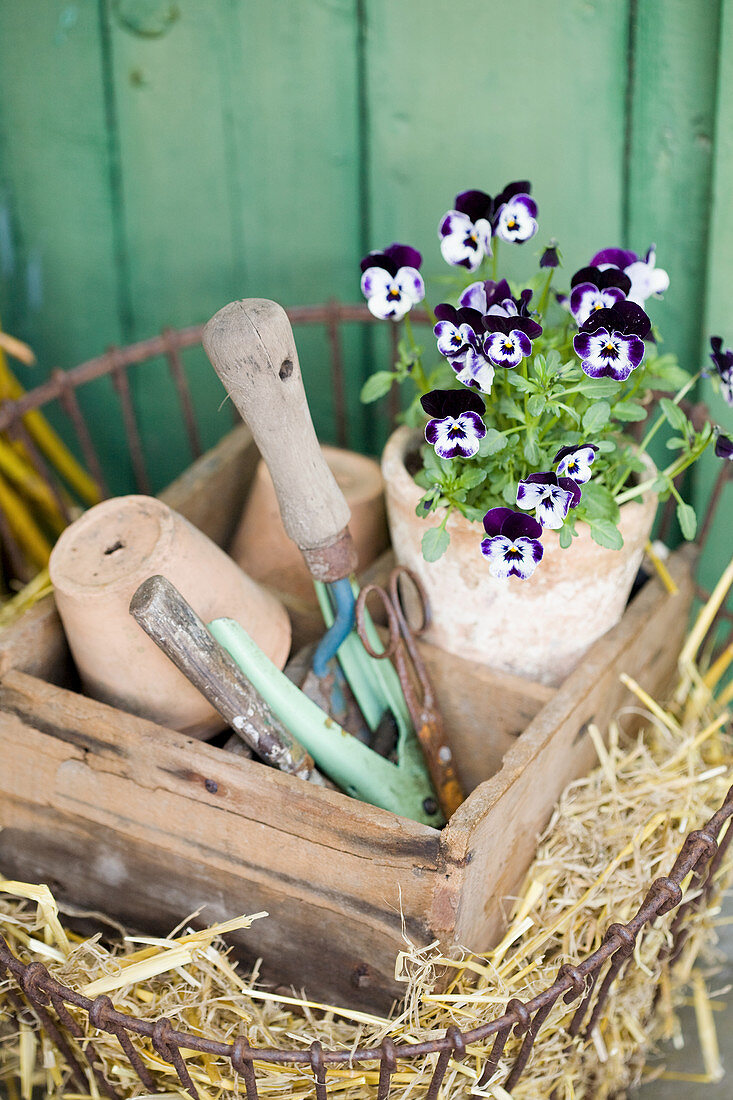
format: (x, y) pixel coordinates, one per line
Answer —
(33, 488)
(47, 440)
(30, 537)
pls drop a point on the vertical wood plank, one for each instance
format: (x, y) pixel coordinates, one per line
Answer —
(477, 94)
(59, 285)
(675, 45)
(718, 315)
(238, 140)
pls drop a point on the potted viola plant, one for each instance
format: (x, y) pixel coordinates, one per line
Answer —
(514, 487)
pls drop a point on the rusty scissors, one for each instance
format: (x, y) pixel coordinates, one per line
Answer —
(416, 685)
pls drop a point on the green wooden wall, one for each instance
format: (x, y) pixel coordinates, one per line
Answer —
(159, 158)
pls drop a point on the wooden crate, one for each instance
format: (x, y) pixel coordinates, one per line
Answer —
(121, 815)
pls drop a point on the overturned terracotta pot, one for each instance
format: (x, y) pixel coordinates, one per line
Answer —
(96, 566)
(262, 548)
(537, 628)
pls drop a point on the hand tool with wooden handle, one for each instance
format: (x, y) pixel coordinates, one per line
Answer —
(251, 347)
(174, 626)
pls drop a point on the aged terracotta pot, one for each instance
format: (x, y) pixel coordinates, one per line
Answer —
(265, 552)
(538, 628)
(96, 566)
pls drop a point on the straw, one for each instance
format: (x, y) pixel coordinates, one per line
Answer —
(611, 834)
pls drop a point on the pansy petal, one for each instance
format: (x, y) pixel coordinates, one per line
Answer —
(474, 297)
(375, 280)
(442, 403)
(646, 281)
(449, 338)
(529, 495)
(410, 282)
(475, 371)
(496, 550)
(616, 257)
(495, 519)
(404, 255)
(531, 555)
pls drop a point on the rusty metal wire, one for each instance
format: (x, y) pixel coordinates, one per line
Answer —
(700, 857)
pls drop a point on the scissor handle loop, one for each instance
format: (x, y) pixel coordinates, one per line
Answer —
(392, 622)
(397, 574)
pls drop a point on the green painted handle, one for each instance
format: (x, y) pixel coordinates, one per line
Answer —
(403, 789)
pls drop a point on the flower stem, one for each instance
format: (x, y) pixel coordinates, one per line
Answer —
(654, 429)
(417, 370)
(544, 297)
(494, 257)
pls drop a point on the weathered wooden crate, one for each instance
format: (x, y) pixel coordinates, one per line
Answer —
(121, 815)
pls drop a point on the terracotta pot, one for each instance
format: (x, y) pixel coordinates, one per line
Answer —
(262, 548)
(538, 628)
(96, 566)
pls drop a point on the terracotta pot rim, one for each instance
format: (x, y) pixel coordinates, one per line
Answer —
(393, 466)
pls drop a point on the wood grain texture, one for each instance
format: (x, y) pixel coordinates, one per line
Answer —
(718, 319)
(145, 807)
(59, 225)
(251, 347)
(494, 834)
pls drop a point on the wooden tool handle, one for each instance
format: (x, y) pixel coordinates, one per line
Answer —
(252, 349)
(174, 626)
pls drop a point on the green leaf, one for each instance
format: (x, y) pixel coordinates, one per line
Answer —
(675, 443)
(536, 404)
(376, 386)
(472, 477)
(509, 492)
(435, 542)
(674, 415)
(598, 503)
(629, 410)
(521, 383)
(532, 451)
(565, 538)
(509, 407)
(687, 520)
(606, 533)
(492, 443)
(596, 416)
(606, 446)
(599, 387)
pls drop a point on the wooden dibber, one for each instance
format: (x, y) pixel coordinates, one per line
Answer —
(174, 626)
(262, 375)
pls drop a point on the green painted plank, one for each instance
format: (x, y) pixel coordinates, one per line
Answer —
(58, 269)
(239, 176)
(669, 168)
(671, 156)
(477, 94)
(718, 314)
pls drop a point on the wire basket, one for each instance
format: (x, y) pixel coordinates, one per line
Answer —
(588, 981)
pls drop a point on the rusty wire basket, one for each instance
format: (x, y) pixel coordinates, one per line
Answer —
(700, 856)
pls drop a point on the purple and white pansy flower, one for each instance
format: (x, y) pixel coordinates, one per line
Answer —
(610, 344)
(549, 496)
(724, 447)
(465, 231)
(512, 546)
(515, 217)
(391, 281)
(595, 288)
(647, 280)
(455, 428)
(457, 330)
(509, 339)
(467, 358)
(575, 462)
(723, 362)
